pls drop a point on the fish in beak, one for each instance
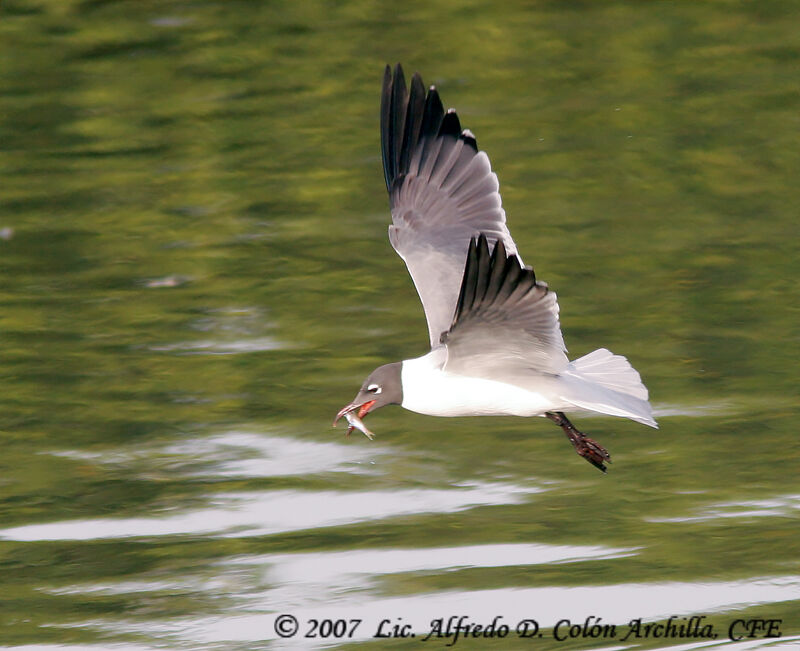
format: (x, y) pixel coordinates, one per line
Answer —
(354, 413)
(384, 386)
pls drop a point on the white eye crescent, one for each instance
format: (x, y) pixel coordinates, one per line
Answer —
(374, 388)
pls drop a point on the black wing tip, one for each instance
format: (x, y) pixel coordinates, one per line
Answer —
(469, 139)
(401, 115)
(409, 115)
(451, 126)
(488, 275)
(498, 252)
(498, 255)
(434, 113)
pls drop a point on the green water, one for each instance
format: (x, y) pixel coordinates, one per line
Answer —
(195, 276)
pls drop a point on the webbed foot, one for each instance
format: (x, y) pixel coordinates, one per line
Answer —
(588, 448)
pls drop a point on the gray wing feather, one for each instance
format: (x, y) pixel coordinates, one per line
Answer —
(442, 193)
(506, 322)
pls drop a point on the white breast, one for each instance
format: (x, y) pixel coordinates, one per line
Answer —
(429, 390)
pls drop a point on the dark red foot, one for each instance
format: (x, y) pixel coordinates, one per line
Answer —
(588, 448)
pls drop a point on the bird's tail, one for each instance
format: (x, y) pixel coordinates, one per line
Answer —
(609, 385)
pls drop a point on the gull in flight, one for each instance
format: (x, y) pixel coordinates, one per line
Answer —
(496, 343)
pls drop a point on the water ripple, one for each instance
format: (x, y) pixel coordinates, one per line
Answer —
(271, 512)
(782, 506)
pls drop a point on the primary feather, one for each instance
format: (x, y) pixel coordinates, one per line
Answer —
(442, 193)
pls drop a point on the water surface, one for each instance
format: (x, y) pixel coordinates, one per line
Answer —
(195, 276)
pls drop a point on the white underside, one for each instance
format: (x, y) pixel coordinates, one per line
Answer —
(429, 390)
(599, 382)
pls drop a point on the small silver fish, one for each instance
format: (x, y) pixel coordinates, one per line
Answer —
(355, 422)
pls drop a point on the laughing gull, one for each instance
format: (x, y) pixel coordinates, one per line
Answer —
(496, 343)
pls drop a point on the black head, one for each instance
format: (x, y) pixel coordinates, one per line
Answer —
(382, 387)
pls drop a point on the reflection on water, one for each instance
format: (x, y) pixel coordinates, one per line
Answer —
(271, 512)
(337, 584)
(300, 579)
(612, 603)
(81, 647)
(236, 453)
(345, 570)
(249, 454)
(784, 506)
(254, 345)
(240, 329)
(721, 408)
(167, 281)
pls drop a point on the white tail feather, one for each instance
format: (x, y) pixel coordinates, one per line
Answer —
(610, 385)
(611, 371)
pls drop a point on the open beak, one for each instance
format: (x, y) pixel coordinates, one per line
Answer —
(354, 413)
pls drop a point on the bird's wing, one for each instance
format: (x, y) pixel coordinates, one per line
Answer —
(506, 322)
(442, 193)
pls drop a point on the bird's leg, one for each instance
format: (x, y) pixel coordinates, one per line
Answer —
(589, 449)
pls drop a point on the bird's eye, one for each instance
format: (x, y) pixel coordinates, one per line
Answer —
(374, 388)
